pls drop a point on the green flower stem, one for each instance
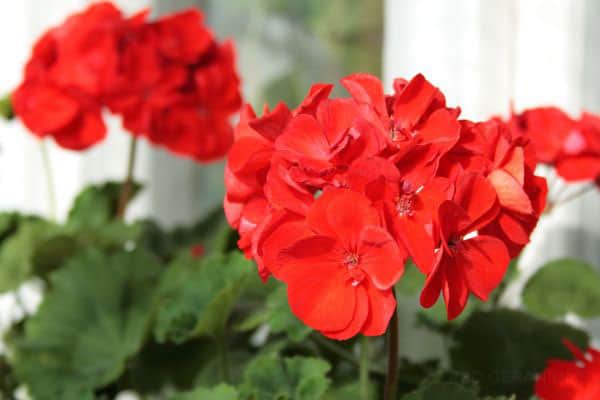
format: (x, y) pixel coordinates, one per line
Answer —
(127, 187)
(343, 353)
(49, 179)
(391, 379)
(364, 368)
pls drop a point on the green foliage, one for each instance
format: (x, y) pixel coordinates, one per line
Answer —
(278, 316)
(97, 205)
(6, 109)
(505, 349)
(87, 327)
(564, 286)
(271, 377)
(220, 392)
(17, 252)
(197, 294)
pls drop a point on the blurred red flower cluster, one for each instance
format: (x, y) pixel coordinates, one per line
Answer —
(333, 197)
(578, 379)
(571, 146)
(169, 79)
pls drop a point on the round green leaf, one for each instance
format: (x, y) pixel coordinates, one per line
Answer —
(564, 286)
(91, 321)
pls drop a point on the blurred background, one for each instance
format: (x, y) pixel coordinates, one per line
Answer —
(482, 54)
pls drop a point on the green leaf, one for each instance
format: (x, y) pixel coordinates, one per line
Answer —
(278, 316)
(220, 392)
(6, 109)
(442, 391)
(505, 349)
(435, 318)
(17, 252)
(350, 391)
(212, 232)
(564, 286)
(95, 317)
(270, 377)
(96, 205)
(197, 295)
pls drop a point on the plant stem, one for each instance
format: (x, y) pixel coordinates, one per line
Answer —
(343, 353)
(127, 187)
(49, 179)
(391, 379)
(223, 356)
(364, 368)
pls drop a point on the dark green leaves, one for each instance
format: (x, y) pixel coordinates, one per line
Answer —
(296, 378)
(17, 251)
(278, 316)
(196, 295)
(96, 205)
(93, 319)
(505, 349)
(220, 392)
(564, 286)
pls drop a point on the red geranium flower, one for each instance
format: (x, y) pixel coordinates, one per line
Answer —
(570, 145)
(571, 380)
(170, 80)
(466, 262)
(332, 197)
(349, 265)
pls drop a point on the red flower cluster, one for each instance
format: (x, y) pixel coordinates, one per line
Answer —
(332, 197)
(169, 80)
(571, 146)
(571, 380)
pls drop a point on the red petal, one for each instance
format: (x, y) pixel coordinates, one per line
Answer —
(271, 125)
(456, 292)
(380, 257)
(510, 192)
(382, 306)
(484, 260)
(348, 213)
(433, 283)
(441, 128)
(316, 286)
(304, 139)
(317, 93)
(367, 89)
(418, 241)
(477, 197)
(86, 131)
(336, 117)
(361, 312)
(249, 155)
(284, 193)
(44, 109)
(583, 168)
(513, 228)
(414, 100)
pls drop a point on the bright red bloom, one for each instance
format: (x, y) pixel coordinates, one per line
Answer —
(332, 197)
(570, 145)
(578, 379)
(466, 262)
(170, 80)
(349, 265)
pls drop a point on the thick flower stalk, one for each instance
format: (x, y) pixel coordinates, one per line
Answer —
(334, 196)
(169, 80)
(576, 379)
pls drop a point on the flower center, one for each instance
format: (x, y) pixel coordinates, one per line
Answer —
(405, 204)
(355, 274)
